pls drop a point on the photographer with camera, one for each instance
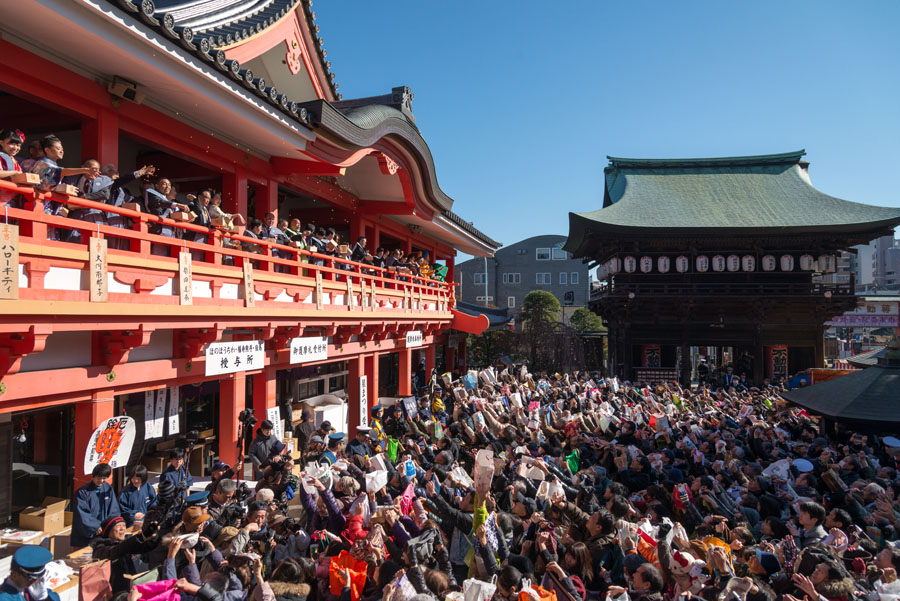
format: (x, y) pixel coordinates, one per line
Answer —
(224, 508)
(261, 447)
(177, 473)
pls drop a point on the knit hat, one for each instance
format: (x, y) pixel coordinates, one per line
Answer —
(768, 561)
(108, 524)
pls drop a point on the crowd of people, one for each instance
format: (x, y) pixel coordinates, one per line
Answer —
(139, 189)
(512, 486)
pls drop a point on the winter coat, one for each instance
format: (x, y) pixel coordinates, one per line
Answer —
(93, 504)
(136, 500)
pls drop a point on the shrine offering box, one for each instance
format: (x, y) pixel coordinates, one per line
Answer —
(49, 518)
(25, 178)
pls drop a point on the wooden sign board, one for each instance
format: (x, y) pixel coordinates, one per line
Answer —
(98, 269)
(319, 302)
(185, 279)
(249, 295)
(350, 299)
(9, 261)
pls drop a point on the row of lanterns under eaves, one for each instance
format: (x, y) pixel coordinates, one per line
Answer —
(716, 263)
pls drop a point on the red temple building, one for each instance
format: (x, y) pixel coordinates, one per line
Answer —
(235, 96)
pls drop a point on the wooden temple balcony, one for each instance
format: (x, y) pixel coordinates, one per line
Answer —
(92, 310)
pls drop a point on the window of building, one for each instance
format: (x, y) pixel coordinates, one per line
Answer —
(563, 277)
(512, 278)
(559, 254)
(542, 254)
(543, 278)
(522, 251)
(573, 278)
(482, 299)
(511, 302)
(479, 277)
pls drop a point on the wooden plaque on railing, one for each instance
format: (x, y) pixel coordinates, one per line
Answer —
(249, 293)
(185, 277)
(97, 271)
(9, 261)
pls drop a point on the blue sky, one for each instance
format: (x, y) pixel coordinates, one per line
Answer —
(521, 101)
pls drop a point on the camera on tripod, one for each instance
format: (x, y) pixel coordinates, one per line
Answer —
(247, 418)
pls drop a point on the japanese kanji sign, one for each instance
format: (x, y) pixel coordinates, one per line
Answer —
(97, 270)
(110, 443)
(364, 400)
(185, 279)
(249, 294)
(273, 414)
(9, 261)
(149, 406)
(174, 409)
(159, 413)
(307, 350)
(414, 339)
(232, 357)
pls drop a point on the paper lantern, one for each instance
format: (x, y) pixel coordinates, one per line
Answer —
(733, 262)
(630, 264)
(718, 263)
(826, 263)
(614, 265)
(748, 263)
(702, 263)
(787, 263)
(662, 264)
(682, 264)
(768, 263)
(646, 264)
(807, 262)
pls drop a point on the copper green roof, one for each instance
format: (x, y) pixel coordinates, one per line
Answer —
(766, 194)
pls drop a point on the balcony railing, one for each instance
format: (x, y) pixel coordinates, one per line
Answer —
(282, 275)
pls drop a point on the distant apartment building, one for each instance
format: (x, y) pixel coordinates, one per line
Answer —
(886, 263)
(537, 263)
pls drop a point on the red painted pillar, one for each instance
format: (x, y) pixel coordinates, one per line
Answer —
(234, 192)
(451, 263)
(268, 201)
(430, 352)
(264, 397)
(89, 415)
(100, 139)
(232, 395)
(372, 373)
(375, 242)
(355, 369)
(405, 377)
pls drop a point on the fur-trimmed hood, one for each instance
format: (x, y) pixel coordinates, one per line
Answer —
(837, 590)
(290, 590)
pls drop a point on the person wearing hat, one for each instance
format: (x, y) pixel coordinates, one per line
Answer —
(314, 448)
(335, 446)
(177, 473)
(137, 496)
(306, 428)
(220, 471)
(25, 575)
(94, 502)
(261, 447)
(360, 444)
(112, 544)
(197, 499)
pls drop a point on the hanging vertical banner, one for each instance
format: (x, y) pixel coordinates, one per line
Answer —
(98, 269)
(363, 400)
(159, 414)
(9, 261)
(149, 408)
(249, 295)
(273, 414)
(185, 277)
(651, 355)
(174, 409)
(777, 362)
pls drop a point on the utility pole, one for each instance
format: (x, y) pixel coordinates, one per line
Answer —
(485, 283)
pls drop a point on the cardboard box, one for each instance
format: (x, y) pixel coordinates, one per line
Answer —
(26, 178)
(48, 518)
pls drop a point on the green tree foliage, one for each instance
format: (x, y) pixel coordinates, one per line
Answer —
(486, 348)
(540, 306)
(585, 320)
